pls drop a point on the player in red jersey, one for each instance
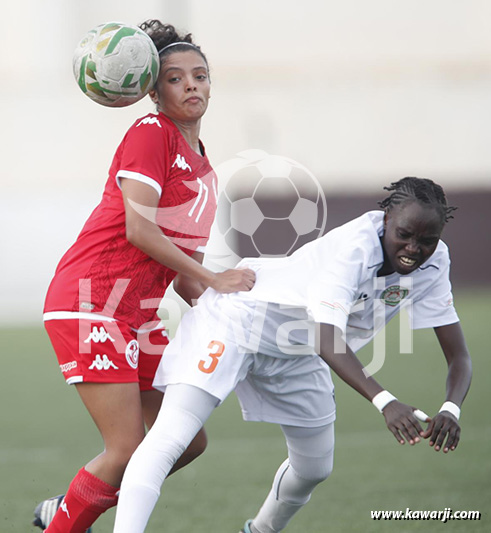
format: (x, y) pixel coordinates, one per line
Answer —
(100, 312)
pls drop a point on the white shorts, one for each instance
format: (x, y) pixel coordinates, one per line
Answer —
(213, 352)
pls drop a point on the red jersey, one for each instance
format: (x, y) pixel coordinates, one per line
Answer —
(102, 272)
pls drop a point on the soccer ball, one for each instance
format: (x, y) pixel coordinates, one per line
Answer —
(270, 206)
(116, 64)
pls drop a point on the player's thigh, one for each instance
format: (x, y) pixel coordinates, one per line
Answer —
(295, 392)
(152, 343)
(117, 412)
(311, 450)
(151, 401)
(203, 354)
(310, 441)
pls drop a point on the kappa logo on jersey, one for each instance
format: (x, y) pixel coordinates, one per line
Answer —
(149, 120)
(132, 352)
(180, 162)
(394, 294)
(102, 363)
(99, 335)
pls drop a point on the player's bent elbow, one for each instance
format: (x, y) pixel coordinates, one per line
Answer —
(179, 285)
(134, 235)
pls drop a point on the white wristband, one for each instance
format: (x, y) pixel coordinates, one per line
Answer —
(381, 399)
(451, 408)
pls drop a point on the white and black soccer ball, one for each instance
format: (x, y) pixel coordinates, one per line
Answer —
(116, 64)
(270, 206)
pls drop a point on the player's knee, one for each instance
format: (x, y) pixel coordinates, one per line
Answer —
(293, 484)
(314, 470)
(324, 471)
(119, 455)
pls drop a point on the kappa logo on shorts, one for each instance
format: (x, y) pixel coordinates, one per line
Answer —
(394, 294)
(102, 363)
(68, 366)
(132, 352)
(99, 335)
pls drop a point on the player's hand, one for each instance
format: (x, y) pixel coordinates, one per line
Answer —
(443, 425)
(233, 280)
(402, 422)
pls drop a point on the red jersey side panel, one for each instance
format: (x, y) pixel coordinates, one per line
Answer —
(102, 272)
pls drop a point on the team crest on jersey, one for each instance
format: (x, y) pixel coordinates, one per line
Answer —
(394, 294)
(132, 352)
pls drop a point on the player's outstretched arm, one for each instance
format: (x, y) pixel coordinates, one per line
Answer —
(399, 417)
(145, 234)
(444, 429)
(190, 289)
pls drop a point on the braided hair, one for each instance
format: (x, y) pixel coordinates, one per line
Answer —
(421, 190)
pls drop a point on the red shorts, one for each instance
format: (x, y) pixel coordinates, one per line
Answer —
(106, 351)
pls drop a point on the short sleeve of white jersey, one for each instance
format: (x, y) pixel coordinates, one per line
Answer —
(332, 296)
(323, 276)
(434, 306)
(350, 258)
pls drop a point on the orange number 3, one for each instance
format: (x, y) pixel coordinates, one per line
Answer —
(216, 349)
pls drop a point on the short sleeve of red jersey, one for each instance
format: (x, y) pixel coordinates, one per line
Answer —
(144, 153)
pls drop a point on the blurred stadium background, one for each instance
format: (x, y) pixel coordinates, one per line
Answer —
(362, 94)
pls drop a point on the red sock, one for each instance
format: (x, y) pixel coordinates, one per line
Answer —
(86, 499)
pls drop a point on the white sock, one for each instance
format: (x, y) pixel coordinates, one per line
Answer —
(275, 513)
(184, 411)
(310, 462)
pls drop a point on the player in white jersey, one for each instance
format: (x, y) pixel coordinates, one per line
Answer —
(272, 344)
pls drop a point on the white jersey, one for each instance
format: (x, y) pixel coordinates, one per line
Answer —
(261, 342)
(334, 279)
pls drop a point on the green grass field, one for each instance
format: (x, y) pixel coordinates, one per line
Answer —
(46, 435)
